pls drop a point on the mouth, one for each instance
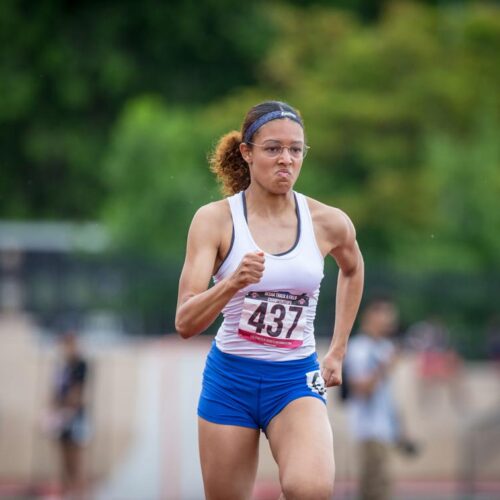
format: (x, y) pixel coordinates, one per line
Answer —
(285, 174)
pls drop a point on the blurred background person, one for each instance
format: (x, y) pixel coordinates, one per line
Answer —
(70, 426)
(374, 418)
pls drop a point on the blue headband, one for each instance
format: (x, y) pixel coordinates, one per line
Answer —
(273, 115)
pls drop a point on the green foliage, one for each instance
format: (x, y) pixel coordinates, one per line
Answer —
(394, 110)
(154, 177)
(402, 117)
(463, 185)
(68, 68)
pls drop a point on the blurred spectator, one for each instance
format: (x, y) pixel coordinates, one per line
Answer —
(374, 419)
(438, 363)
(69, 420)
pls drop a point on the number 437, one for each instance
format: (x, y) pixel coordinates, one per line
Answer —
(279, 311)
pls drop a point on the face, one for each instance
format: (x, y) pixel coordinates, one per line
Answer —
(277, 175)
(382, 320)
(69, 346)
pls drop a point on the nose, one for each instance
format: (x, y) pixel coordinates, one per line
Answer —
(287, 158)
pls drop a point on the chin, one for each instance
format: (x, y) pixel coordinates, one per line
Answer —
(282, 188)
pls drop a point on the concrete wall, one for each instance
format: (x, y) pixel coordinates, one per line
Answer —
(143, 399)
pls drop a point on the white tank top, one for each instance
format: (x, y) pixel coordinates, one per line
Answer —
(274, 319)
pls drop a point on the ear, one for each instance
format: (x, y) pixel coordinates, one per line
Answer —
(246, 152)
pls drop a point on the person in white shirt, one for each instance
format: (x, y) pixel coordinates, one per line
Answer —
(373, 416)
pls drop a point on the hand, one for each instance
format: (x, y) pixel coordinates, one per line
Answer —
(249, 271)
(331, 370)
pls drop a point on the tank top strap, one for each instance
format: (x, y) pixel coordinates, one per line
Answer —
(242, 237)
(308, 236)
(236, 206)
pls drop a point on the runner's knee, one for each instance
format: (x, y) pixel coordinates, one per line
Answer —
(310, 488)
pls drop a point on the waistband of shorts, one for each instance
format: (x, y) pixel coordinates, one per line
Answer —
(232, 360)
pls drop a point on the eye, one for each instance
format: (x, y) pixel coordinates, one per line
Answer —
(296, 150)
(272, 149)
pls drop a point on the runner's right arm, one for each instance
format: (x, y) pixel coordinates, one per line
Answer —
(198, 305)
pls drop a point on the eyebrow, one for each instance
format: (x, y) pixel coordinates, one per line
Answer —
(298, 141)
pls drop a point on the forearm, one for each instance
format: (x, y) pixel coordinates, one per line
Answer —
(198, 312)
(348, 298)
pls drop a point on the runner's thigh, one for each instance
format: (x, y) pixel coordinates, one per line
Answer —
(302, 444)
(228, 456)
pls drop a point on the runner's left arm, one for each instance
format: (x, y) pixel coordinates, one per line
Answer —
(350, 281)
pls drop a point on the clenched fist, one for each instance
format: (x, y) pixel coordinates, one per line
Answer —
(331, 370)
(249, 271)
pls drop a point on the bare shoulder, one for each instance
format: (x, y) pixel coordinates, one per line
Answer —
(214, 212)
(332, 225)
(210, 221)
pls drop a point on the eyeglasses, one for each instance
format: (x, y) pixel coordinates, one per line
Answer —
(275, 149)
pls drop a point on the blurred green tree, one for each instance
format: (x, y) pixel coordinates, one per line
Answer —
(154, 177)
(402, 117)
(67, 68)
(393, 110)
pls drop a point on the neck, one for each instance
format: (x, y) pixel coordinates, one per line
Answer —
(265, 203)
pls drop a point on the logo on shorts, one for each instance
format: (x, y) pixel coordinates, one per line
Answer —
(316, 383)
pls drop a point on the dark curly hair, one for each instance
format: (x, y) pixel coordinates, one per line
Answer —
(226, 161)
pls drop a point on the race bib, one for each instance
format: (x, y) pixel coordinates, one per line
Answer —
(316, 383)
(274, 318)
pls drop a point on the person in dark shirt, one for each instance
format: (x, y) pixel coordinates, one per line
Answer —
(72, 430)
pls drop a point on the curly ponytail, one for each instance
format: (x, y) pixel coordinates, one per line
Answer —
(228, 165)
(226, 162)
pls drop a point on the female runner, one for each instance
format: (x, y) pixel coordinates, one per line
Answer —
(264, 245)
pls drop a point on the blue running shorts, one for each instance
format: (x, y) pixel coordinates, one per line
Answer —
(250, 392)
